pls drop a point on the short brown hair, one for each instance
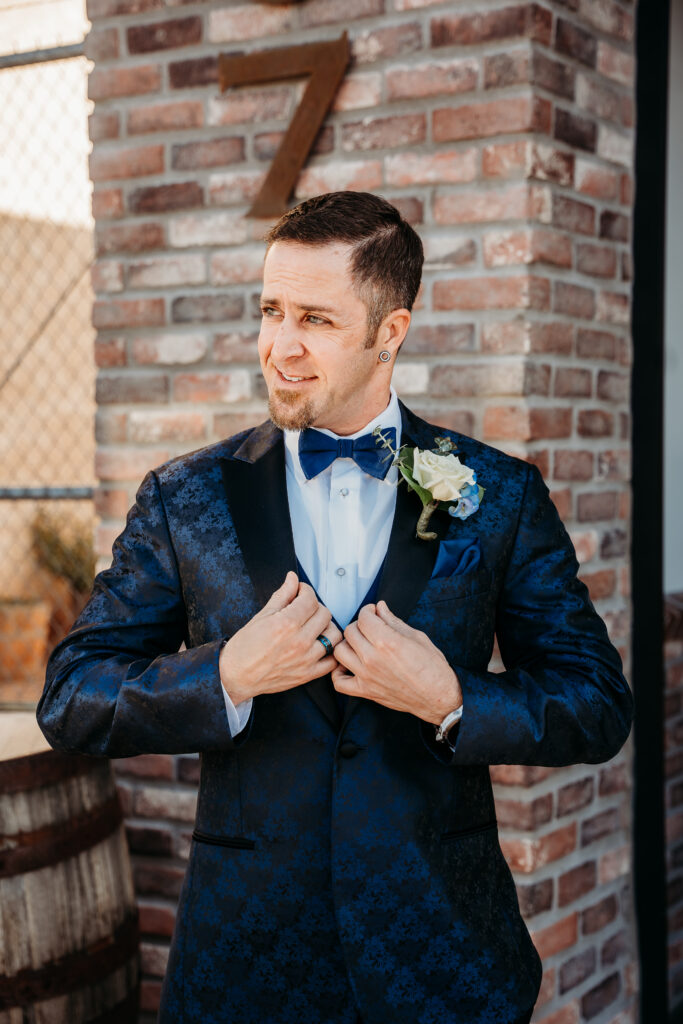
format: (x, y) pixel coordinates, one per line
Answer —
(387, 255)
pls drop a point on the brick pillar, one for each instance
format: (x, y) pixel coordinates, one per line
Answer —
(504, 133)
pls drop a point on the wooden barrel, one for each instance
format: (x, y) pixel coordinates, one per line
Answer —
(68, 919)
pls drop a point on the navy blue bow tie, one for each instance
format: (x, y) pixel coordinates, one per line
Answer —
(317, 451)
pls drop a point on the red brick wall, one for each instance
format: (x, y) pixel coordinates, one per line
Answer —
(504, 132)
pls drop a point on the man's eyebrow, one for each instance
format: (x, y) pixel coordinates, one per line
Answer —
(311, 307)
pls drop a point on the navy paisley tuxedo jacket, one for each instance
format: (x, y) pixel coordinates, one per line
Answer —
(340, 865)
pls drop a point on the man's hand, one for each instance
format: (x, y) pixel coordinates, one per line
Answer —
(384, 659)
(278, 648)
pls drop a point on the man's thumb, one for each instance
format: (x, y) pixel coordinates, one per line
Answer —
(393, 620)
(284, 595)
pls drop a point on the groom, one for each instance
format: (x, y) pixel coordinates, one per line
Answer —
(345, 863)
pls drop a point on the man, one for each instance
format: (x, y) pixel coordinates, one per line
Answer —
(345, 863)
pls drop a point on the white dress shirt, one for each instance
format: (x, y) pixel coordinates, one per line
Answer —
(341, 521)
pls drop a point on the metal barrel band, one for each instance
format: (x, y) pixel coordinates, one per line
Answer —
(329, 649)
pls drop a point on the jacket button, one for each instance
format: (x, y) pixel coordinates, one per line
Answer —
(348, 749)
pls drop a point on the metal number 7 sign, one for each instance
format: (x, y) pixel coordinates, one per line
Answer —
(326, 63)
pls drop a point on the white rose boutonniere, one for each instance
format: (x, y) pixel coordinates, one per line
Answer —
(439, 478)
(443, 475)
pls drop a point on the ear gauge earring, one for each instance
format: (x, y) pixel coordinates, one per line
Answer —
(384, 356)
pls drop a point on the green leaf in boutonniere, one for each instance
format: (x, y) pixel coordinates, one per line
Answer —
(405, 468)
(439, 479)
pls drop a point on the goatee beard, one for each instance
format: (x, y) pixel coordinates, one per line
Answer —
(298, 417)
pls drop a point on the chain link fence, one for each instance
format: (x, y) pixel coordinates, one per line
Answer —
(47, 372)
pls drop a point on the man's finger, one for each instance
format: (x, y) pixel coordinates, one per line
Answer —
(329, 630)
(327, 664)
(347, 657)
(394, 622)
(319, 622)
(372, 626)
(333, 634)
(343, 681)
(304, 605)
(354, 637)
(284, 595)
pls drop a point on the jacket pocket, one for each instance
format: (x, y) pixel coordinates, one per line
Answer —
(236, 842)
(458, 587)
(461, 833)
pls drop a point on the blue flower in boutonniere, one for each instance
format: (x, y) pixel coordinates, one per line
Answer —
(439, 478)
(468, 501)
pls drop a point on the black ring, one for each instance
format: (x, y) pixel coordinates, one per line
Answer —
(329, 649)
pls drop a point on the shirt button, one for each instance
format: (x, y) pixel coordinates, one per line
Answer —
(341, 571)
(344, 491)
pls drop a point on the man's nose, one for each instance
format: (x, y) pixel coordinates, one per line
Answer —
(287, 343)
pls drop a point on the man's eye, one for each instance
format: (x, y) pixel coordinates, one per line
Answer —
(313, 319)
(268, 311)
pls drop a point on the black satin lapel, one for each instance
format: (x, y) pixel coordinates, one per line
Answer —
(409, 561)
(257, 498)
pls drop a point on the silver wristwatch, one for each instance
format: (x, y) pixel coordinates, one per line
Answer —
(451, 719)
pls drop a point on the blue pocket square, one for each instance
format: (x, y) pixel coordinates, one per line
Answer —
(456, 557)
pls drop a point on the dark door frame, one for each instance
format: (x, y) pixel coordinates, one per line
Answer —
(647, 397)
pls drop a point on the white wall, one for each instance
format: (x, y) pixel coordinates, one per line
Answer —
(673, 401)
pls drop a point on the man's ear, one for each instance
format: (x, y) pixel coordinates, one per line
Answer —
(393, 330)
